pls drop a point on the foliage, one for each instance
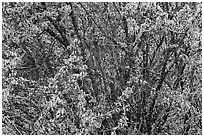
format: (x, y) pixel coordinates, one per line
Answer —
(101, 68)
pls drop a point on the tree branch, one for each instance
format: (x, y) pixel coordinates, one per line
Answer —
(163, 76)
(158, 46)
(57, 27)
(99, 27)
(74, 21)
(54, 35)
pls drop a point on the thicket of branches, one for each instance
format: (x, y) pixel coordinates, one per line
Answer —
(101, 68)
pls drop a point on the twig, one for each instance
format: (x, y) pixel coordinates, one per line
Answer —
(57, 27)
(99, 27)
(117, 9)
(74, 21)
(167, 28)
(8, 122)
(54, 35)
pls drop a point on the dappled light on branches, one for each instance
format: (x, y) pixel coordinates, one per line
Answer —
(101, 68)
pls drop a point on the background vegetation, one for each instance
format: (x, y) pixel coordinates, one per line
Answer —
(101, 68)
